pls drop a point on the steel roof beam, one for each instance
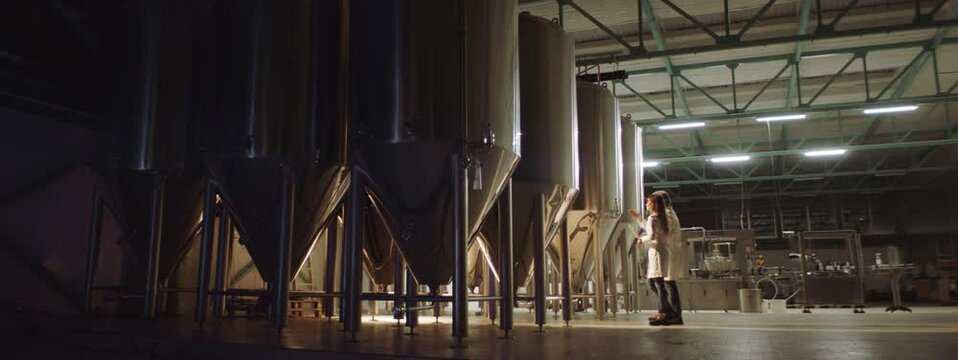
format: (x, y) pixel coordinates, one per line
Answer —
(869, 172)
(928, 99)
(727, 45)
(851, 148)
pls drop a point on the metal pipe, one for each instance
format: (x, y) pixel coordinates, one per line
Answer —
(491, 292)
(153, 258)
(612, 284)
(566, 267)
(351, 246)
(398, 279)
(283, 261)
(506, 270)
(222, 260)
(206, 239)
(412, 317)
(329, 277)
(460, 308)
(539, 275)
(598, 274)
(93, 251)
(626, 271)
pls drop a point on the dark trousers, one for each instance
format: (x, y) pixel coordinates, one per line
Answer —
(667, 294)
(658, 288)
(675, 302)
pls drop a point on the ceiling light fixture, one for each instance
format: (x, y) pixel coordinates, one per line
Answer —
(892, 109)
(681, 126)
(826, 152)
(648, 164)
(781, 117)
(725, 159)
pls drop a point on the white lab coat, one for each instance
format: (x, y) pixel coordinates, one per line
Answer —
(658, 254)
(678, 249)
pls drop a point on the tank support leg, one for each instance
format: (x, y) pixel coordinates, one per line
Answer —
(283, 269)
(538, 243)
(460, 306)
(566, 273)
(352, 277)
(506, 289)
(93, 251)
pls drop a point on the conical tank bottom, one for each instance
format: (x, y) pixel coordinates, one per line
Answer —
(252, 189)
(129, 195)
(525, 203)
(379, 251)
(583, 231)
(412, 181)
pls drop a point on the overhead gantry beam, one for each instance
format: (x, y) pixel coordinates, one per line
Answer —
(734, 41)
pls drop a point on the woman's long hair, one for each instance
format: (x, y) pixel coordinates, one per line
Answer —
(658, 209)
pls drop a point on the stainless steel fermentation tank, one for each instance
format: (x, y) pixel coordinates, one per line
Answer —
(546, 180)
(622, 254)
(149, 182)
(421, 95)
(598, 208)
(277, 159)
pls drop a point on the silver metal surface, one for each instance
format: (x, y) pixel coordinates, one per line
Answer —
(836, 287)
(276, 92)
(406, 110)
(549, 163)
(598, 208)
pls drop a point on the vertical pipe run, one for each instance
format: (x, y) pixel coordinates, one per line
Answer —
(412, 289)
(222, 260)
(283, 261)
(460, 306)
(626, 271)
(329, 276)
(153, 258)
(506, 270)
(206, 240)
(566, 267)
(397, 279)
(93, 251)
(539, 275)
(352, 277)
(613, 284)
(491, 291)
(598, 274)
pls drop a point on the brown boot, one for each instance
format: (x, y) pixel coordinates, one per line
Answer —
(658, 316)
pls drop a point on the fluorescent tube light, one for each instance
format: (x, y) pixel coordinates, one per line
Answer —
(826, 152)
(892, 109)
(725, 159)
(781, 117)
(648, 164)
(681, 126)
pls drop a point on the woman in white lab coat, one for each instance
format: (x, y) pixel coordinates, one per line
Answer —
(678, 260)
(658, 234)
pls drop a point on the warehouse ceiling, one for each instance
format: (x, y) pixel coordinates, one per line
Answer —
(726, 65)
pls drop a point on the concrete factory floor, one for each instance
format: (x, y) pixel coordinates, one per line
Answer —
(929, 332)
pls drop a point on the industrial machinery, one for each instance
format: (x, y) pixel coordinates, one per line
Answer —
(435, 134)
(834, 278)
(720, 266)
(546, 181)
(278, 158)
(622, 254)
(598, 207)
